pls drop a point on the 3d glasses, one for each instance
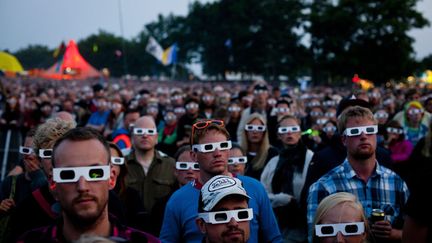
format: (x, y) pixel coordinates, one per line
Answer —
(316, 113)
(237, 160)
(329, 103)
(330, 114)
(381, 115)
(329, 129)
(90, 173)
(234, 109)
(347, 229)
(394, 130)
(257, 128)
(322, 121)
(282, 110)
(191, 106)
(25, 150)
(210, 147)
(356, 131)
(45, 153)
(144, 131)
(415, 111)
(282, 130)
(223, 217)
(187, 165)
(117, 160)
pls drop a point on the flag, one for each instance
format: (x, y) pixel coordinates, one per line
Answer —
(169, 56)
(154, 49)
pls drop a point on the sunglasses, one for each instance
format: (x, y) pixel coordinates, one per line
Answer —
(381, 115)
(210, 147)
(237, 160)
(117, 160)
(90, 173)
(394, 130)
(356, 131)
(25, 150)
(329, 129)
(415, 111)
(283, 130)
(347, 229)
(144, 131)
(187, 165)
(203, 124)
(223, 217)
(257, 128)
(45, 153)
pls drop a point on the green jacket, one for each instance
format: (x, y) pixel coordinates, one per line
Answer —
(158, 182)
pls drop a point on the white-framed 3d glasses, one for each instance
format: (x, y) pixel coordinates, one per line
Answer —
(394, 130)
(210, 147)
(45, 153)
(117, 160)
(181, 165)
(257, 128)
(223, 217)
(234, 109)
(282, 110)
(144, 131)
(329, 129)
(283, 130)
(90, 173)
(415, 111)
(356, 131)
(237, 160)
(347, 229)
(379, 115)
(25, 150)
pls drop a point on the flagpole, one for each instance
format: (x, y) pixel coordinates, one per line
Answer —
(125, 69)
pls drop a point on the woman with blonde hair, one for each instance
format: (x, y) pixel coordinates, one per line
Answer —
(340, 218)
(255, 141)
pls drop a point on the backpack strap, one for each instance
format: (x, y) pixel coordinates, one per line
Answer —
(43, 203)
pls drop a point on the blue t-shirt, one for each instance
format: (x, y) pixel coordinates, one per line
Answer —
(182, 210)
(98, 118)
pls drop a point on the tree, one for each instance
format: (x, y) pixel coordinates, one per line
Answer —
(35, 56)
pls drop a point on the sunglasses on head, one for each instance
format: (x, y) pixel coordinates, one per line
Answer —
(395, 130)
(329, 129)
(25, 150)
(223, 217)
(282, 130)
(144, 131)
(117, 160)
(45, 153)
(257, 128)
(356, 131)
(347, 229)
(187, 165)
(203, 124)
(237, 160)
(90, 173)
(210, 147)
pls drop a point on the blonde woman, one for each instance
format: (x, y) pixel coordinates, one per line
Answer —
(255, 141)
(340, 218)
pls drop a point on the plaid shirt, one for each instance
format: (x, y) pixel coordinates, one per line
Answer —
(384, 190)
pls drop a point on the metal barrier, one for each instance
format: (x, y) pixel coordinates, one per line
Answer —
(10, 140)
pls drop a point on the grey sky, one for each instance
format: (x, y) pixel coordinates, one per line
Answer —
(48, 22)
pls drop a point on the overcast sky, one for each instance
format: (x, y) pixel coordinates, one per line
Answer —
(48, 22)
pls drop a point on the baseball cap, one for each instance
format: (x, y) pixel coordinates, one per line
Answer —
(217, 188)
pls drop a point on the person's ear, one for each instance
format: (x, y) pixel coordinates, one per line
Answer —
(112, 179)
(343, 139)
(193, 156)
(201, 225)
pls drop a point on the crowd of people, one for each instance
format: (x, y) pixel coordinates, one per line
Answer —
(133, 161)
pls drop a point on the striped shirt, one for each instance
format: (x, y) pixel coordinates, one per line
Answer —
(384, 190)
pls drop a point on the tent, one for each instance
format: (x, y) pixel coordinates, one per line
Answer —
(71, 66)
(9, 63)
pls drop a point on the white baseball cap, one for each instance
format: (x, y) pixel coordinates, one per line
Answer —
(219, 187)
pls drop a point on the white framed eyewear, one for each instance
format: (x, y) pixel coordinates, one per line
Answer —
(45, 153)
(322, 121)
(117, 160)
(394, 130)
(330, 114)
(180, 165)
(210, 147)
(347, 229)
(257, 128)
(90, 173)
(282, 109)
(25, 150)
(223, 217)
(144, 131)
(234, 109)
(191, 106)
(381, 115)
(316, 113)
(237, 160)
(415, 111)
(179, 110)
(283, 130)
(329, 129)
(356, 131)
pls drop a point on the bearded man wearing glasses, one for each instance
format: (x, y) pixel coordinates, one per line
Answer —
(210, 143)
(376, 187)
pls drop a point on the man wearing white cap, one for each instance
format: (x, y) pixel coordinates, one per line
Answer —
(224, 213)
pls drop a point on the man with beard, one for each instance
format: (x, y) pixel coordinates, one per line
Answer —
(82, 179)
(224, 213)
(360, 174)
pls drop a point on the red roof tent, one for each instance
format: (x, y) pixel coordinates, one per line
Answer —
(71, 66)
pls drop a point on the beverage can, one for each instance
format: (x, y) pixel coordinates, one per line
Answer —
(377, 215)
